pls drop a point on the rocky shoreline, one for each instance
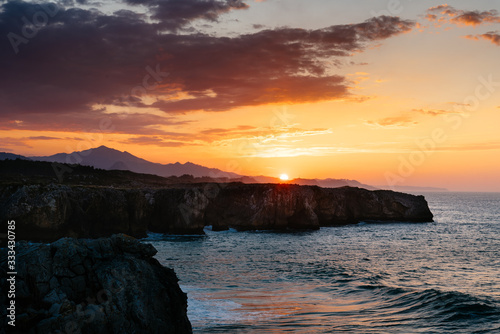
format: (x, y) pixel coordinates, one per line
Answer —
(47, 212)
(113, 284)
(107, 285)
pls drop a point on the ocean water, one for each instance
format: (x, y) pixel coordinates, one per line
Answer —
(441, 277)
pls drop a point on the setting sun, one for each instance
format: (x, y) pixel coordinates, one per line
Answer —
(284, 177)
(378, 115)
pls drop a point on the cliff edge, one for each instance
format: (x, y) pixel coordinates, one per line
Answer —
(48, 212)
(91, 203)
(107, 285)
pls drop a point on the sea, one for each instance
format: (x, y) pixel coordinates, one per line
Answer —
(439, 277)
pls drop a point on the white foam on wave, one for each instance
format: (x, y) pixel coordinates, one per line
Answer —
(208, 230)
(206, 310)
(152, 236)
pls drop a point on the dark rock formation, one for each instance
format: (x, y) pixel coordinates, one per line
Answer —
(51, 211)
(281, 206)
(264, 207)
(346, 205)
(109, 285)
(177, 210)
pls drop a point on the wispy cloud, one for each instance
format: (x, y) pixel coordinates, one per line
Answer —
(271, 135)
(224, 137)
(482, 146)
(287, 151)
(42, 138)
(14, 142)
(154, 141)
(25, 141)
(448, 14)
(239, 130)
(92, 121)
(492, 36)
(434, 112)
(398, 122)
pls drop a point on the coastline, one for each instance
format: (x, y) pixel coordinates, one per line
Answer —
(82, 207)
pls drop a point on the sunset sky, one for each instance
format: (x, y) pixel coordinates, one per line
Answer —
(381, 91)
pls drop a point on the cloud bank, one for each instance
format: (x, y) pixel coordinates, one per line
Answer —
(74, 64)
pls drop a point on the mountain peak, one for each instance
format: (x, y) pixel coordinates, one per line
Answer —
(99, 150)
(104, 148)
(109, 158)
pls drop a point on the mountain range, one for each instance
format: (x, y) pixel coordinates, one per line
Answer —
(110, 159)
(107, 158)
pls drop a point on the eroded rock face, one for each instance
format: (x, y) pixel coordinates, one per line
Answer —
(178, 211)
(108, 285)
(263, 207)
(338, 206)
(281, 206)
(49, 212)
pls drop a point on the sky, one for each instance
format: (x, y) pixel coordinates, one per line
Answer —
(387, 92)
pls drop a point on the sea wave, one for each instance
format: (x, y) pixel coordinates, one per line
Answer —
(152, 236)
(436, 307)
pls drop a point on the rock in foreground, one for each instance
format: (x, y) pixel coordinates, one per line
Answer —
(108, 285)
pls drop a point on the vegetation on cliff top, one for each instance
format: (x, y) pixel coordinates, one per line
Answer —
(20, 171)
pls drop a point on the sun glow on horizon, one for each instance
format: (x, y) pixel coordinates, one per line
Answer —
(284, 177)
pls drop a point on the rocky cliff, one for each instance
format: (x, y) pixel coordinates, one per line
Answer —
(280, 206)
(50, 211)
(108, 285)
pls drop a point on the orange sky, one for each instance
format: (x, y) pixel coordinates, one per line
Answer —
(420, 106)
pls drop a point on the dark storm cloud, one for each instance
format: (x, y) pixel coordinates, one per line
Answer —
(272, 66)
(175, 14)
(79, 58)
(93, 121)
